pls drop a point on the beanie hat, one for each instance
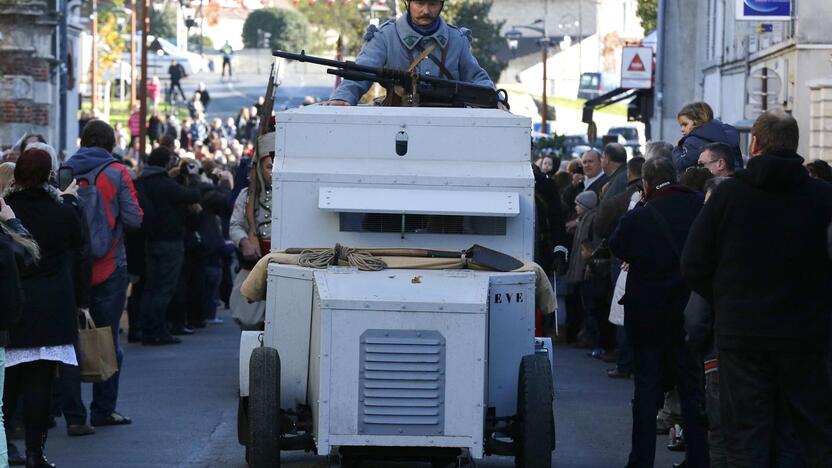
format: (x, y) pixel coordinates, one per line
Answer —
(588, 199)
(33, 168)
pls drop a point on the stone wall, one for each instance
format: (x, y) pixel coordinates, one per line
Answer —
(27, 81)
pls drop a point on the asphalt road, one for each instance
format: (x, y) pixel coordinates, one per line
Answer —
(183, 401)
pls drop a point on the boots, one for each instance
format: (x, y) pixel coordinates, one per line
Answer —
(15, 458)
(36, 459)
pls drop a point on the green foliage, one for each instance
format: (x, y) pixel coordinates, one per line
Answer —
(648, 11)
(163, 22)
(338, 17)
(193, 42)
(109, 33)
(486, 39)
(554, 142)
(289, 29)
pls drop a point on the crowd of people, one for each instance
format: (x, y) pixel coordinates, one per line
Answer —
(683, 271)
(152, 236)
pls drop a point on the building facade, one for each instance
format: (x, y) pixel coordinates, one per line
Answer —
(707, 54)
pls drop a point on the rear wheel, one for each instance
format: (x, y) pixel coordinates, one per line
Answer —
(264, 409)
(534, 427)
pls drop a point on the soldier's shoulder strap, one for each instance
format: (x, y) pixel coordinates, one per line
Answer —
(464, 32)
(373, 29)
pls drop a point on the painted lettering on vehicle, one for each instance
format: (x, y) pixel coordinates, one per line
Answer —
(508, 298)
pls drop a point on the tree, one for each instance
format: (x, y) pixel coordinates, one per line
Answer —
(109, 34)
(647, 12)
(289, 29)
(163, 22)
(343, 19)
(485, 34)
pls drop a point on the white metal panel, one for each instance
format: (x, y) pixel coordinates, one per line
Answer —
(321, 132)
(464, 380)
(510, 336)
(296, 222)
(403, 290)
(288, 322)
(418, 201)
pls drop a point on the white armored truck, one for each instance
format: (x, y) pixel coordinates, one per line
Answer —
(432, 358)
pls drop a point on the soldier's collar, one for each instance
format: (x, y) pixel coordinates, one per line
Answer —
(410, 38)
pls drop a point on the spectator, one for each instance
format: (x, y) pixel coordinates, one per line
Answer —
(594, 177)
(718, 158)
(230, 128)
(614, 165)
(819, 169)
(154, 91)
(165, 201)
(772, 314)
(94, 165)
(134, 122)
(580, 317)
(6, 176)
(658, 149)
(548, 165)
(649, 239)
(47, 329)
(172, 127)
(609, 212)
(155, 127)
(195, 106)
(204, 96)
(227, 52)
(695, 178)
(176, 72)
(699, 128)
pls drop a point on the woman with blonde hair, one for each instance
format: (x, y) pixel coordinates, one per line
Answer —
(6, 176)
(699, 127)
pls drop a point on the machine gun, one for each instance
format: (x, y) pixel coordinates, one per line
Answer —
(409, 88)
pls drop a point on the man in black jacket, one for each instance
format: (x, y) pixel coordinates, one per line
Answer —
(649, 238)
(757, 252)
(164, 202)
(176, 72)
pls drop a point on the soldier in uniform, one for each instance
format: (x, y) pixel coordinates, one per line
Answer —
(420, 39)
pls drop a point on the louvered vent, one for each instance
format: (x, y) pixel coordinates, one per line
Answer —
(402, 383)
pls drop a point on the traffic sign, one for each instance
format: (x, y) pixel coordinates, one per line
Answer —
(637, 67)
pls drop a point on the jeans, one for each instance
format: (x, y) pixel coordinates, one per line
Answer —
(650, 361)
(107, 303)
(213, 277)
(4, 451)
(770, 398)
(163, 264)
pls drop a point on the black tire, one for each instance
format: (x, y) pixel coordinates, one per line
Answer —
(242, 421)
(534, 429)
(264, 409)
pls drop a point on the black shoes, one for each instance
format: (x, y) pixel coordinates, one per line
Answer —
(161, 341)
(113, 419)
(76, 430)
(36, 459)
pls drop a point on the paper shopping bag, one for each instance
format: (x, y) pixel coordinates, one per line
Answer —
(97, 353)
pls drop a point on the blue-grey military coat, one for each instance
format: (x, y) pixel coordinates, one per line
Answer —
(395, 44)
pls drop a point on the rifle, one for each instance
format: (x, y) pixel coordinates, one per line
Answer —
(410, 88)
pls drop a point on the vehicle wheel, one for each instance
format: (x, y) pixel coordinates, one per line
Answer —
(242, 421)
(264, 409)
(534, 426)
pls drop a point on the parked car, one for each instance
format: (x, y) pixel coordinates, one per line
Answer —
(635, 140)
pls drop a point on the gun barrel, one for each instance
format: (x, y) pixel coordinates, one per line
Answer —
(302, 57)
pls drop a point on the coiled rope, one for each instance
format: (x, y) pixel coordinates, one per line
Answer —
(322, 258)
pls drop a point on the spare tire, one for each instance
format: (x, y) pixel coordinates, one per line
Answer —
(264, 409)
(534, 425)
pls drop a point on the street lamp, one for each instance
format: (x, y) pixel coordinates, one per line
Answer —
(544, 41)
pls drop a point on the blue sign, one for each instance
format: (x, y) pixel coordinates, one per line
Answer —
(770, 10)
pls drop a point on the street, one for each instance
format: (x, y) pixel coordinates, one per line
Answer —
(183, 401)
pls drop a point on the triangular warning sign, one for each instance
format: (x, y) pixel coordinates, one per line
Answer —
(636, 65)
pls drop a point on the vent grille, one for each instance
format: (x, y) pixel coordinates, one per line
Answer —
(402, 383)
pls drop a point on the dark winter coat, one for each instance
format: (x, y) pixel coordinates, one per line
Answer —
(176, 72)
(758, 253)
(616, 183)
(612, 209)
(550, 226)
(686, 153)
(167, 201)
(656, 294)
(11, 289)
(49, 316)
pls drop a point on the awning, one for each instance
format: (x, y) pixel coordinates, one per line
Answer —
(415, 201)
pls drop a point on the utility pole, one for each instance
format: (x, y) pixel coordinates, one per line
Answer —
(201, 26)
(544, 44)
(63, 54)
(133, 75)
(94, 78)
(143, 89)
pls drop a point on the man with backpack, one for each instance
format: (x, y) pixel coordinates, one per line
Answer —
(108, 200)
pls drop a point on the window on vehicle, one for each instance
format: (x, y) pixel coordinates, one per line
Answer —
(422, 224)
